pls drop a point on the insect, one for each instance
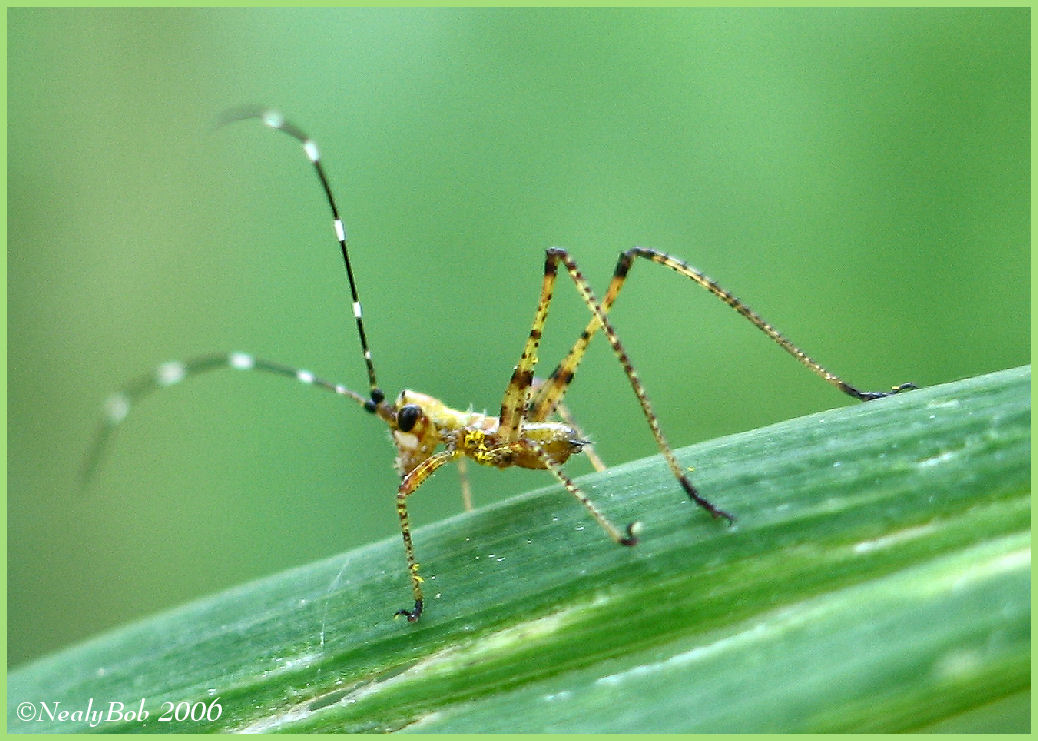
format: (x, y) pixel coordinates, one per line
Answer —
(532, 429)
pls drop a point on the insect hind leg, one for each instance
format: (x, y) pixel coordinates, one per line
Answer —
(516, 400)
(550, 394)
(548, 397)
(564, 374)
(680, 266)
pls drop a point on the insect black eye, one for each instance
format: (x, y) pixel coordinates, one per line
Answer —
(407, 417)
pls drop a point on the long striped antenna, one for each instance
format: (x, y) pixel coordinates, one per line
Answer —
(274, 120)
(117, 406)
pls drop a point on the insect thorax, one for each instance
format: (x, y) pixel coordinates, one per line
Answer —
(474, 435)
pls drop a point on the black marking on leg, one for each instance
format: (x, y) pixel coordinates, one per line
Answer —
(632, 530)
(623, 265)
(705, 504)
(522, 378)
(412, 615)
(872, 395)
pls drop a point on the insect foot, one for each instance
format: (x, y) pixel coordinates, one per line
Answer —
(631, 538)
(412, 615)
(871, 395)
(693, 494)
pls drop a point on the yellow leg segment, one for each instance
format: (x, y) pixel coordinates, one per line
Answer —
(517, 394)
(408, 487)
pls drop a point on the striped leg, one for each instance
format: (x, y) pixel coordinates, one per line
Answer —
(563, 413)
(565, 375)
(630, 534)
(119, 404)
(408, 487)
(517, 394)
(548, 397)
(551, 393)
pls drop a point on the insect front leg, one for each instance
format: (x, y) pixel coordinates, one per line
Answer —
(408, 486)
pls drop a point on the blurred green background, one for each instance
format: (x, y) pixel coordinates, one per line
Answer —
(860, 177)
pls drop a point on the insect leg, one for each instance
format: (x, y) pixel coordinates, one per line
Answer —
(557, 254)
(563, 413)
(682, 267)
(549, 395)
(466, 485)
(517, 395)
(408, 487)
(630, 534)
(588, 449)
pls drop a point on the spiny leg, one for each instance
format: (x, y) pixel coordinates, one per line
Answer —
(549, 395)
(547, 398)
(274, 120)
(517, 394)
(680, 266)
(117, 407)
(516, 404)
(408, 487)
(557, 254)
(630, 534)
